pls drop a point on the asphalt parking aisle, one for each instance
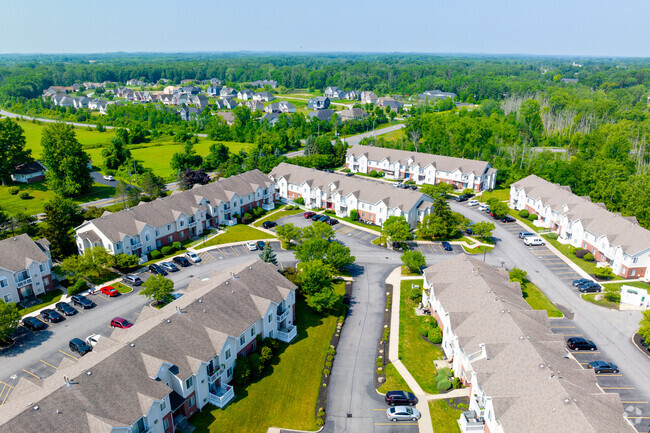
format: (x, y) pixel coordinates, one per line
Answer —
(4, 392)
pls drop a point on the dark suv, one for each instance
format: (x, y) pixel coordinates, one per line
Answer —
(589, 287)
(82, 301)
(79, 346)
(33, 324)
(400, 398)
(579, 343)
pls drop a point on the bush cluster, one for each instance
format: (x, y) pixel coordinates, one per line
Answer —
(581, 253)
(524, 213)
(431, 331)
(604, 274)
(249, 368)
(78, 287)
(165, 251)
(25, 195)
(443, 379)
(532, 217)
(300, 201)
(589, 257)
(14, 190)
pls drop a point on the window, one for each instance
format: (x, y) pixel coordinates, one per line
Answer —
(182, 223)
(242, 339)
(182, 234)
(157, 232)
(632, 272)
(7, 298)
(228, 353)
(191, 401)
(146, 237)
(271, 333)
(118, 246)
(163, 406)
(170, 239)
(635, 260)
(229, 372)
(41, 267)
(169, 227)
(189, 382)
(253, 331)
(165, 423)
(138, 426)
(3, 282)
(270, 318)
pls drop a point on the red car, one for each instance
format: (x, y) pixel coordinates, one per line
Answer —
(121, 323)
(109, 291)
(309, 214)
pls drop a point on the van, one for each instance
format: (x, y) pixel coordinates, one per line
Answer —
(533, 240)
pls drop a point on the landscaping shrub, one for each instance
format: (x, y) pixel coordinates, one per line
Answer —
(329, 364)
(589, 257)
(258, 212)
(155, 254)
(532, 217)
(166, 250)
(373, 173)
(443, 385)
(409, 182)
(78, 287)
(126, 261)
(320, 422)
(380, 362)
(326, 372)
(353, 214)
(346, 170)
(14, 190)
(456, 383)
(552, 236)
(604, 274)
(581, 253)
(415, 294)
(524, 213)
(444, 372)
(300, 200)
(247, 218)
(25, 195)
(176, 246)
(435, 335)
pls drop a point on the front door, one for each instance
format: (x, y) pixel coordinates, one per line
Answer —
(27, 292)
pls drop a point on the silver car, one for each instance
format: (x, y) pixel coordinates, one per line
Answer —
(402, 413)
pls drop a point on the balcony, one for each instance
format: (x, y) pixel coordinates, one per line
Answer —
(216, 375)
(470, 422)
(221, 396)
(282, 314)
(137, 246)
(23, 283)
(192, 224)
(230, 223)
(269, 206)
(287, 334)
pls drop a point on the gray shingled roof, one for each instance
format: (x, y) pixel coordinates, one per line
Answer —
(620, 231)
(18, 252)
(440, 162)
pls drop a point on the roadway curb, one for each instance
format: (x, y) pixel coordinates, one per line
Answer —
(645, 352)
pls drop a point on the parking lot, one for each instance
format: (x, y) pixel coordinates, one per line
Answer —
(229, 251)
(636, 407)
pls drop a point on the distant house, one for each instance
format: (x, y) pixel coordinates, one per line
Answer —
(324, 115)
(334, 93)
(200, 101)
(273, 107)
(191, 90)
(353, 95)
(219, 104)
(254, 105)
(102, 105)
(389, 102)
(80, 102)
(263, 96)
(185, 82)
(215, 81)
(245, 94)
(189, 113)
(76, 87)
(61, 100)
(166, 99)
(286, 107)
(227, 92)
(135, 82)
(368, 98)
(569, 80)
(436, 94)
(214, 90)
(271, 118)
(262, 83)
(352, 114)
(229, 103)
(318, 103)
(227, 116)
(52, 90)
(29, 172)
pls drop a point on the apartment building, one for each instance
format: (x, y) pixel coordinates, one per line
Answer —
(172, 363)
(25, 268)
(184, 214)
(614, 240)
(519, 374)
(422, 167)
(374, 201)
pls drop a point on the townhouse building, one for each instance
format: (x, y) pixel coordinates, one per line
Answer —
(180, 216)
(25, 268)
(519, 373)
(614, 240)
(374, 201)
(421, 167)
(172, 363)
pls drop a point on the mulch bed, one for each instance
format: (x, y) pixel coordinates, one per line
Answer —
(640, 343)
(382, 348)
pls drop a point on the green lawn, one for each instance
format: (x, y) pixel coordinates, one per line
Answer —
(444, 417)
(529, 223)
(396, 135)
(478, 250)
(591, 297)
(406, 272)
(360, 224)
(122, 288)
(502, 194)
(394, 381)
(538, 300)
(238, 233)
(48, 298)
(286, 397)
(588, 267)
(416, 353)
(639, 284)
(276, 216)
(87, 138)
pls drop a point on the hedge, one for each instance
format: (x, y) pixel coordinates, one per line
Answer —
(155, 254)
(77, 287)
(532, 217)
(581, 253)
(524, 213)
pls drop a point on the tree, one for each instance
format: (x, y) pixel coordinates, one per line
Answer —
(128, 194)
(529, 113)
(12, 148)
(68, 172)
(159, 288)
(152, 185)
(396, 229)
(267, 255)
(433, 227)
(218, 155)
(319, 230)
(313, 248)
(61, 217)
(499, 208)
(90, 264)
(187, 159)
(644, 326)
(483, 229)
(338, 256)
(9, 318)
(115, 154)
(315, 276)
(288, 233)
(414, 260)
(437, 190)
(190, 177)
(518, 275)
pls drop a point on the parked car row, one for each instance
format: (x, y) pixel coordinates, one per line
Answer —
(321, 218)
(405, 186)
(585, 285)
(401, 410)
(579, 343)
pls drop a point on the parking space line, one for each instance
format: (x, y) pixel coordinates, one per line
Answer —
(585, 352)
(381, 409)
(366, 237)
(66, 353)
(431, 248)
(233, 250)
(222, 252)
(634, 402)
(6, 384)
(102, 296)
(440, 246)
(47, 363)
(27, 329)
(572, 335)
(618, 387)
(566, 326)
(638, 417)
(29, 372)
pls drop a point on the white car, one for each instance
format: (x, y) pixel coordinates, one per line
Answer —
(109, 177)
(472, 203)
(191, 256)
(484, 208)
(93, 339)
(251, 246)
(403, 413)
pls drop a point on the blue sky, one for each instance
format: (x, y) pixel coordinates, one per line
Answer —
(547, 27)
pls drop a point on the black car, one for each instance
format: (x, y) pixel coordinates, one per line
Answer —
(51, 316)
(82, 301)
(589, 287)
(327, 170)
(79, 346)
(400, 398)
(269, 224)
(579, 343)
(316, 217)
(603, 367)
(169, 267)
(580, 282)
(65, 308)
(132, 280)
(260, 245)
(469, 231)
(157, 269)
(180, 260)
(33, 324)
(332, 221)
(463, 197)
(507, 219)
(447, 246)
(323, 219)
(414, 187)
(349, 174)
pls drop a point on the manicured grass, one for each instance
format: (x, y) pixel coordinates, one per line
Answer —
(591, 297)
(538, 300)
(48, 298)
(277, 216)
(394, 381)
(618, 286)
(122, 288)
(286, 397)
(529, 223)
(381, 179)
(502, 194)
(406, 272)
(416, 353)
(588, 267)
(394, 135)
(478, 250)
(444, 417)
(360, 224)
(238, 233)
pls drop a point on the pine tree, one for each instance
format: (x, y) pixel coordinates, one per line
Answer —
(267, 255)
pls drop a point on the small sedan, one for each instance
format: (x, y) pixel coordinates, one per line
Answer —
(589, 287)
(526, 234)
(403, 413)
(121, 323)
(157, 269)
(109, 178)
(323, 219)
(252, 246)
(603, 367)
(182, 261)
(349, 174)
(109, 291)
(309, 214)
(33, 324)
(332, 221)
(169, 267)
(400, 398)
(269, 224)
(579, 343)
(192, 256)
(316, 217)
(261, 245)
(472, 203)
(446, 246)
(132, 280)
(507, 219)
(51, 316)
(581, 281)
(82, 301)
(65, 309)
(93, 339)
(79, 346)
